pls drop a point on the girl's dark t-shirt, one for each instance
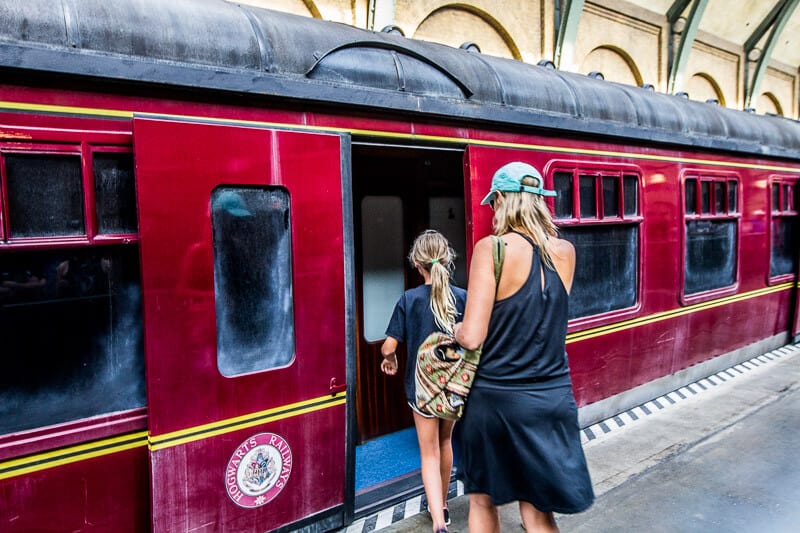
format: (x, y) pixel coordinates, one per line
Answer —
(412, 321)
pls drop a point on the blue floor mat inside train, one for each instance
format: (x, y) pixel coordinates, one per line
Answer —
(386, 457)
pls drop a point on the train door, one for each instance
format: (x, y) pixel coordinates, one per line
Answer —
(246, 340)
(397, 193)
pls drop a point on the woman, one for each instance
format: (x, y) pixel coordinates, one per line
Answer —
(520, 434)
(433, 306)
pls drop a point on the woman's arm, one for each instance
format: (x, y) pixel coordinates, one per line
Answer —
(480, 297)
(389, 363)
(563, 254)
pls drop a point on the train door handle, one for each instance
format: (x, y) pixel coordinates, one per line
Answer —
(337, 387)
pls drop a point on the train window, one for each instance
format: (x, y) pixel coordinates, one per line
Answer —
(562, 183)
(732, 204)
(691, 196)
(45, 195)
(705, 196)
(252, 278)
(588, 196)
(719, 197)
(70, 316)
(605, 235)
(631, 196)
(785, 227)
(607, 264)
(115, 195)
(710, 255)
(70, 324)
(610, 196)
(382, 262)
(710, 234)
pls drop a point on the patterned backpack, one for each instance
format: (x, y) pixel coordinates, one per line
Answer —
(445, 371)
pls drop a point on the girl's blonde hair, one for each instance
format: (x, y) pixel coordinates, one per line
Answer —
(432, 252)
(527, 213)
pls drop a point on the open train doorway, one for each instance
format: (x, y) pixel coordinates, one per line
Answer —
(398, 191)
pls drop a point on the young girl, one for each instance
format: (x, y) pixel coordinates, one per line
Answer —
(434, 306)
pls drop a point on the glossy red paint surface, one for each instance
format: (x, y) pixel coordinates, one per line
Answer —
(108, 493)
(179, 163)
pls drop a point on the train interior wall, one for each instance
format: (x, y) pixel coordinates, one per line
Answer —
(397, 193)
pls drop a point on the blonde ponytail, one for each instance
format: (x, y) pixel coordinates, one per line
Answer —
(432, 252)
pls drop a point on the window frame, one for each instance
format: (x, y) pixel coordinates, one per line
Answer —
(85, 150)
(714, 176)
(28, 137)
(600, 170)
(782, 180)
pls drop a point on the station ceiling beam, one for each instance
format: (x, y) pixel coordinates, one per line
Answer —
(687, 28)
(773, 25)
(380, 13)
(569, 13)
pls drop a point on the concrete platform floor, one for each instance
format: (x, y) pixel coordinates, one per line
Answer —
(719, 455)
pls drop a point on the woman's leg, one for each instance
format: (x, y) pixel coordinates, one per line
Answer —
(535, 520)
(483, 514)
(428, 437)
(445, 455)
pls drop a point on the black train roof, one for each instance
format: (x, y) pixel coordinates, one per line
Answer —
(222, 46)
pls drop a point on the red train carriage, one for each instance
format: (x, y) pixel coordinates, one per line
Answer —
(204, 215)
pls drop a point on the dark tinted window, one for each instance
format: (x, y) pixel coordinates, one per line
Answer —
(562, 181)
(588, 196)
(776, 197)
(705, 197)
(691, 196)
(252, 279)
(608, 246)
(70, 324)
(606, 269)
(611, 197)
(733, 206)
(784, 228)
(710, 255)
(45, 195)
(719, 197)
(784, 246)
(631, 193)
(115, 194)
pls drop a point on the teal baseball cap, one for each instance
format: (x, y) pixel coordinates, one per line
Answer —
(509, 178)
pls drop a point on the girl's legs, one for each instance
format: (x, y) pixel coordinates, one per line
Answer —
(430, 455)
(535, 520)
(445, 456)
(483, 514)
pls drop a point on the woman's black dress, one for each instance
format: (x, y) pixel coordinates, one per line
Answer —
(520, 436)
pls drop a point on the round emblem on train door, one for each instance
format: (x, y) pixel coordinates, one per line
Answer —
(258, 470)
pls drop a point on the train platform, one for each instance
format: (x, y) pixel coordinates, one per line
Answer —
(716, 455)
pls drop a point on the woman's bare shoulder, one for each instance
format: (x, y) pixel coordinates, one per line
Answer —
(485, 244)
(561, 247)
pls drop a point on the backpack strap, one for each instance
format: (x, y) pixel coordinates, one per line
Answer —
(498, 254)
